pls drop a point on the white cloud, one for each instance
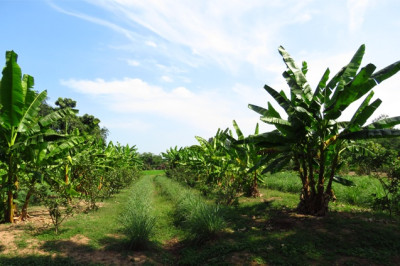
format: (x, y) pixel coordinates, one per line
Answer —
(127, 33)
(131, 124)
(132, 62)
(167, 79)
(151, 44)
(206, 110)
(227, 32)
(357, 10)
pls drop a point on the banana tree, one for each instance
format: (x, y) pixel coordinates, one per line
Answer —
(248, 159)
(47, 156)
(18, 121)
(311, 136)
(215, 156)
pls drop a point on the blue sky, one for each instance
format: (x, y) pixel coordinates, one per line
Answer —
(158, 73)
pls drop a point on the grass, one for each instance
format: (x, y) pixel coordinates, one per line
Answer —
(153, 172)
(164, 228)
(202, 220)
(262, 230)
(137, 218)
(359, 195)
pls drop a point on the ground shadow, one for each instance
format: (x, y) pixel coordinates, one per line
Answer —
(260, 233)
(36, 260)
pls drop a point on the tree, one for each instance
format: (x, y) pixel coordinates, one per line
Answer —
(151, 161)
(19, 122)
(311, 136)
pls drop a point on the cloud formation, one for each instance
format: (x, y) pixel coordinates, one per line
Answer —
(357, 10)
(205, 110)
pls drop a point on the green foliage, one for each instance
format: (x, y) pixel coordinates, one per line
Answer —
(57, 197)
(218, 165)
(86, 124)
(20, 125)
(360, 194)
(368, 156)
(41, 144)
(151, 161)
(311, 135)
(390, 201)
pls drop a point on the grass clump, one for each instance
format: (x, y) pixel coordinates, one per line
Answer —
(137, 220)
(202, 220)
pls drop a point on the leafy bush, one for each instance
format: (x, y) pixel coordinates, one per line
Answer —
(390, 201)
(368, 157)
(57, 197)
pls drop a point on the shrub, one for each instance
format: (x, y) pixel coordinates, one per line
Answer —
(391, 186)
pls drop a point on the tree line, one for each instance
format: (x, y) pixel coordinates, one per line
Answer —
(309, 138)
(51, 155)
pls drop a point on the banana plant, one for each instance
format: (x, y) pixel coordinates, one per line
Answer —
(311, 135)
(47, 156)
(248, 159)
(19, 121)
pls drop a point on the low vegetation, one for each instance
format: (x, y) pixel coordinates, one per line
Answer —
(69, 197)
(263, 230)
(203, 220)
(137, 219)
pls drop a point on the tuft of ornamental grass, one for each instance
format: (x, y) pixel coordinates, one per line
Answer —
(137, 220)
(202, 220)
(205, 222)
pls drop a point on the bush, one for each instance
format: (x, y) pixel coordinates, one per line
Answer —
(390, 201)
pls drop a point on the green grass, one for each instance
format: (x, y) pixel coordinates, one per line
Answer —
(99, 226)
(359, 195)
(153, 172)
(137, 218)
(202, 220)
(262, 230)
(164, 229)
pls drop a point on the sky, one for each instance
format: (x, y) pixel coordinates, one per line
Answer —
(158, 73)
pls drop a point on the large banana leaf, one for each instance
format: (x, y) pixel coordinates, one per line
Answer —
(280, 98)
(28, 122)
(363, 113)
(262, 111)
(387, 72)
(238, 131)
(371, 134)
(302, 89)
(55, 115)
(384, 123)
(12, 96)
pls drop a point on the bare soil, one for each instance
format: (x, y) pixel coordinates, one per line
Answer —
(14, 243)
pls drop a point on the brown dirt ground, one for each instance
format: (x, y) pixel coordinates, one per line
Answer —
(11, 236)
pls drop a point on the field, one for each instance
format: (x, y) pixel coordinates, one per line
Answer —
(262, 230)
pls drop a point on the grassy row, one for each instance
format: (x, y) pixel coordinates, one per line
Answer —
(201, 219)
(137, 218)
(361, 194)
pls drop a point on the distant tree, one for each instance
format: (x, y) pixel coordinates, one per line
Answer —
(151, 161)
(86, 124)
